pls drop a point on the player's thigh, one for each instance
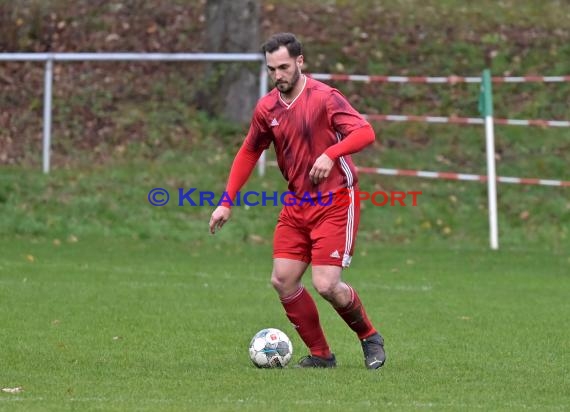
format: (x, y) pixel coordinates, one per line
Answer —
(291, 239)
(334, 236)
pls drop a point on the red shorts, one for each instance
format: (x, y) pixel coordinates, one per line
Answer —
(320, 234)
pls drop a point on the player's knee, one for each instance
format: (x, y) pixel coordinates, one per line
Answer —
(281, 283)
(276, 281)
(325, 288)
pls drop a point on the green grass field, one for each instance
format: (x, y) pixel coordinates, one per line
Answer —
(108, 303)
(105, 324)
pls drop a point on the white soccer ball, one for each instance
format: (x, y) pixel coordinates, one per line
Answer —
(270, 348)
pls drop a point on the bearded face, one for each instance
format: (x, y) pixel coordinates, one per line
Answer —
(286, 86)
(284, 70)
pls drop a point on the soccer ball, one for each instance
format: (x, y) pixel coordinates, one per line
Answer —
(270, 348)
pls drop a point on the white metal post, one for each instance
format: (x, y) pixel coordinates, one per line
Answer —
(487, 103)
(48, 81)
(492, 183)
(262, 91)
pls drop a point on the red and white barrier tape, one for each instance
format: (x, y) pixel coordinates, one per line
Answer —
(467, 120)
(455, 176)
(428, 79)
(462, 176)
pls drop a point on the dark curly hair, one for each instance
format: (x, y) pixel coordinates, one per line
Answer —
(283, 39)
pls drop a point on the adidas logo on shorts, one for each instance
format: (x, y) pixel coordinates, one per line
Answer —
(335, 254)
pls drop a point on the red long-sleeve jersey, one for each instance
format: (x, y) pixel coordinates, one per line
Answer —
(320, 120)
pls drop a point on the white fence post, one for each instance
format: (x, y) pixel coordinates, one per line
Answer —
(48, 83)
(486, 104)
(262, 91)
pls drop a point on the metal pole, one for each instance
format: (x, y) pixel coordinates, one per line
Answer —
(48, 81)
(262, 91)
(490, 149)
(60, 57)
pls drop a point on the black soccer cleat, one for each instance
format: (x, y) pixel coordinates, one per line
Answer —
(373, 348)
(312, 361)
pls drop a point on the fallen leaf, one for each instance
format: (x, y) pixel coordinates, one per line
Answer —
(256, 239)
(17, 389)
(112, 37)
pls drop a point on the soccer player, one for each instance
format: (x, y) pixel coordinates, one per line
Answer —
(314, 129)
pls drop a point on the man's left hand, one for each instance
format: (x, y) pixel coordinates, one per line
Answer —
(321, 169)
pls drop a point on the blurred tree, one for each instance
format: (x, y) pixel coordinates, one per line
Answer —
(231, 90)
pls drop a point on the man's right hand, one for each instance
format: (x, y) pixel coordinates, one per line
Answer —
(219, 217)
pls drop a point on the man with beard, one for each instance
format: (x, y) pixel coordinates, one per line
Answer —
(314, 130)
